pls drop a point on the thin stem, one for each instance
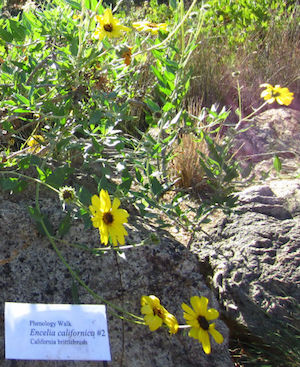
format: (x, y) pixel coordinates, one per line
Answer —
(82, 283)
(238, 125)
(74, 274)
(182, 25)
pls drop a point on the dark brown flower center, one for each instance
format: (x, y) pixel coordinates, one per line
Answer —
(67, 195)
(108, 27)
(275, 94)
(203, 323)
(108, 218)
(152, 25)
(158, 312)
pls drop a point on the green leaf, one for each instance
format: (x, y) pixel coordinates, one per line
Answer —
(12, 184)
(156, 186)
(22, 99)
(34, 213)
(28, 161)
(63, 143)
(98, 148)
(105, 184)
(173, 4)
(126, 181)
(64, 225)
(42, 174)
(58, 177)
(29, 20)
(168, 106)
(91, 4)
(6, 36)
(17, 30)
(174, 121)
(74, 4)
(166, 91)
(152, 105)
(277, 163)
(158, 74)
(84, 196)
(138, 175)
(39, 218)
(96, 117)
(74, 46)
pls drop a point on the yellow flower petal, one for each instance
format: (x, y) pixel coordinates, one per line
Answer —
(211, 314)
(149, 26)
(199, 305)
(188, 310)
(215, 334)
(154, 322)
(146, 309)
(107, 16)
(105, 203)
(194, 333)
(265, 85)
(95, 202)
(172, 323)
(203, 335)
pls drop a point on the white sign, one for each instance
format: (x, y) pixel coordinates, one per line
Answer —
(56, 332)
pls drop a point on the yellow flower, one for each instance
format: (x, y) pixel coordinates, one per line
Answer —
(281, 95)
(149, 27)
(108, 26)
(35, 143)
(76, 16)
(156, 314)
(198, 318)
(108, 218)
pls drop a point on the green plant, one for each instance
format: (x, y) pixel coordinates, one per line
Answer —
(85, 99)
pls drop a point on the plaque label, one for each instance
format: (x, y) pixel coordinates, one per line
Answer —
(56, 332)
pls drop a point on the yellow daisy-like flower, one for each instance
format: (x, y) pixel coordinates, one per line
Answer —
(35, 143)
(198, 318)
(108, 218)
(156, 314)
(108, 26)
(145, 26)
(281, 95)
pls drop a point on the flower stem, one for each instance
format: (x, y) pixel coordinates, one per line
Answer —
(134, 318)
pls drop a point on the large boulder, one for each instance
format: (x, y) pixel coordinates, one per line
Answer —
(275, 131)
(252, 258)
(30, 271)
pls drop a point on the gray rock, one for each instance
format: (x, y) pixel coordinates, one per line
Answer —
(31, 272)
(275, 131)
(254, 259)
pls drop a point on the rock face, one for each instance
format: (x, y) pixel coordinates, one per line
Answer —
(30, 271)
(275, 131)
(254, 259)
